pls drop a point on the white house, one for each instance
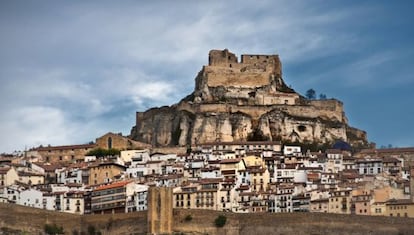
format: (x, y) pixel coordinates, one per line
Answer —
(8, 176)
(370, 166)
(73, 202)
(31, 197)
(141, 156)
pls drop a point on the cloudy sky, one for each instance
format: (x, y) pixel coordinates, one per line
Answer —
(70, 71)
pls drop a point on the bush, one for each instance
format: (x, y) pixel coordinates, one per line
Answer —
(188, 218)
(53, 229)
(100, 152)
(91, 230)
(220, 221)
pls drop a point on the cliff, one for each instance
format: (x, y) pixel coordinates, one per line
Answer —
(242, 101)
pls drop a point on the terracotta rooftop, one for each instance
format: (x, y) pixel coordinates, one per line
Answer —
(4, 170)
(113, 185)
(390, 150)
(227, 161)
(243, 143)
(65, 147)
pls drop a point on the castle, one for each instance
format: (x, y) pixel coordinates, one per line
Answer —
(242, 101)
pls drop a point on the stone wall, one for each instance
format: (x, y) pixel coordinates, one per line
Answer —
(217, 76)
(117, 141)
(160, 210)
(202, 222)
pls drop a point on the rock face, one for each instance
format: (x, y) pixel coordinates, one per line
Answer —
(242, 101)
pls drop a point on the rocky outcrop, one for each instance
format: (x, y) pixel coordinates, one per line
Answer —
(242, 101)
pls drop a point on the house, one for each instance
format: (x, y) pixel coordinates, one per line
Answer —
(117, 141)
(340, 202)
(370, 166)
(11, 193)
(73, 202)
(66, 153)
(31, 197)
(8, 176)
(48, 170)
(284, 198)
(187, 197)
(400, 208)
(137, 198)
(361, 202)
(301, 203)
(206, 196)
(139, 156)
(392, 165)
(109, 199)
(334, 163)
(104, 172)
(31, 178)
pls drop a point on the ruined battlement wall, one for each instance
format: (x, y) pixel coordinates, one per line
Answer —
(330, 104)
(223, 69)
(221, 58)
(228, 77)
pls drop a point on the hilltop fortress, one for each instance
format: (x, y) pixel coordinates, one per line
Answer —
(244, 101)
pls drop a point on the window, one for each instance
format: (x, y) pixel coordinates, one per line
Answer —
(110, 142)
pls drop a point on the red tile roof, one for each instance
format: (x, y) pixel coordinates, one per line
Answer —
(65, 147)
(113, 185)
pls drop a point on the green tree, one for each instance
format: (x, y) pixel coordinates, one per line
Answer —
(322, 96)
(311, 94)
(53, 229)
(220, 221)
(100, 152)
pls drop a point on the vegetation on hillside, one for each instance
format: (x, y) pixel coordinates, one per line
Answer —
(100, 152)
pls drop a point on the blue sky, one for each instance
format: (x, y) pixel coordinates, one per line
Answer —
(71, 71)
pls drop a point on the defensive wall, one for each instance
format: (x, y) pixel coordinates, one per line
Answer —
(224, 69)
(251, 77)
(32, 221)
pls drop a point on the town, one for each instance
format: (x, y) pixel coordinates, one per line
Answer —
(113, 175)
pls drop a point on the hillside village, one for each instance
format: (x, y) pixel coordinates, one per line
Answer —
(233, 145)
(240, 177)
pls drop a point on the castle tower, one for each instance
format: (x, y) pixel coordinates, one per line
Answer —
(160, 210)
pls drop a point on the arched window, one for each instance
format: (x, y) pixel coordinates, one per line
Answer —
(109, 142)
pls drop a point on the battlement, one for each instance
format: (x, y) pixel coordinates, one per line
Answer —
(260, 59)
(224, 69)
(225, 58)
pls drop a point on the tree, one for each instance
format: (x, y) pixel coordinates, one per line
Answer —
(220, 221)
(311, 94)
(53, 229)
(322, 96)
(99, 152)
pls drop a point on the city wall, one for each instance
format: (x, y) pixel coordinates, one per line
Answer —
(32, 221)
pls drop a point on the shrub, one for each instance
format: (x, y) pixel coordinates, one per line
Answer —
(53, 229)
(188, 218)
(220, 221)
(100, 152)
(91, 230)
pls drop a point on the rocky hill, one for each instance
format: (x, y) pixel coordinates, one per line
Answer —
(244, 101)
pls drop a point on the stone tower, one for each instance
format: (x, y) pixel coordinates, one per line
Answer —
(160, 210)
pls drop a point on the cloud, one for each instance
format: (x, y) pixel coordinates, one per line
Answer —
(33, 126)
(92, 65)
